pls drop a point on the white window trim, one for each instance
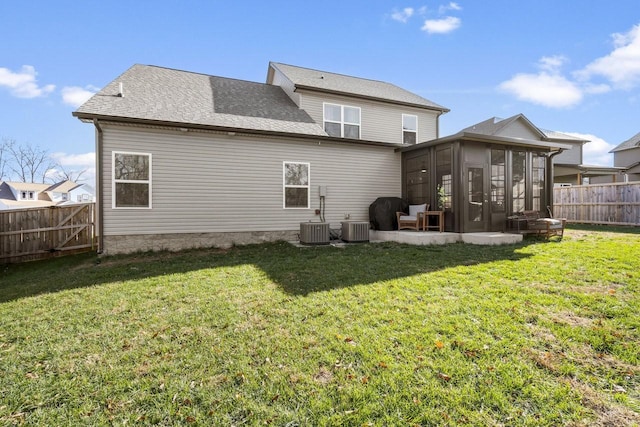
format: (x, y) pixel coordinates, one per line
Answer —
(342, 122)
(285, 186)
(129, 181)
(403, 129)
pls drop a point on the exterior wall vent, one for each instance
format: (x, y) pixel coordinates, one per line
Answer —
(355, 231)
(314, 233)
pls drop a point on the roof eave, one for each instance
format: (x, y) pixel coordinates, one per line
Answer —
(88, 118)
(502, 140)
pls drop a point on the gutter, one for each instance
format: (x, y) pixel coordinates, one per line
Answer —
(503, 140)
(549, 179)
(99, 186)
(87, 117)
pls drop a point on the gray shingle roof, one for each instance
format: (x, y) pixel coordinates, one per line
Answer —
(348, 85)
(494, 125)
(630, 143)
(166, 95)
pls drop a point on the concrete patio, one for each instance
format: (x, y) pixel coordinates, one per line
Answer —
(436, 238)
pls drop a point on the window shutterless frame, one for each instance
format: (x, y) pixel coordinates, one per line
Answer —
(296, 185)
(342, 120)
(409, 126)
(140, 181)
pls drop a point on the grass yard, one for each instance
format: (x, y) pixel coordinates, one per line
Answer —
(540, 333)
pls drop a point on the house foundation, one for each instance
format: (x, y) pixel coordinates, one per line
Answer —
(124, 244)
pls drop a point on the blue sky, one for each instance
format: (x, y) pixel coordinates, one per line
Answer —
(570, 66)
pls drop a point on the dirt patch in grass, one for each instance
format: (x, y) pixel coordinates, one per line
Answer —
(323, 376)
(571, 319)
(608, 414)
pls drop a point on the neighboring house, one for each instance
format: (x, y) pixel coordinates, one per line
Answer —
(569, 167)
(627, 156)
(69, 193)
(187, 159)
(21, 195)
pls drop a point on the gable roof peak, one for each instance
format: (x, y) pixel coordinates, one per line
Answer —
(342, 84)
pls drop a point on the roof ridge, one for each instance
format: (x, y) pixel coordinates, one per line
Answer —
(335, 74)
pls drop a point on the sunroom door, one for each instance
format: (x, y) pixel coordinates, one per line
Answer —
(476, 198)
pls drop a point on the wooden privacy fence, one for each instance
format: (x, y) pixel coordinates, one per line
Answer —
(37, 233)
(615, 204)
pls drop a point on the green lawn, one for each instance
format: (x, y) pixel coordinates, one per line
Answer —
(540, 333)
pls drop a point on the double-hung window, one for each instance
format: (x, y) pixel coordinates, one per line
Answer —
(131, 180)
(342, 120)
(409, 129)
(295, 178)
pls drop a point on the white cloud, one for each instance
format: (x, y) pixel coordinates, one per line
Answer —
(403, 15)
(596, 151)
(441, 26)
(552, 63)
(76, 96)
(622, 66)
(547, 89)
(451, 6)
(23, 84)
(64, 159)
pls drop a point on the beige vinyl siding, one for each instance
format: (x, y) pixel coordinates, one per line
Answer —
(626, 158)
(379, 121)
(518, 129)
(570, 157)
(205, 182)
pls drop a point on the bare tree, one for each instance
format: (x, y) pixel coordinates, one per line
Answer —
(4, 157)
(63, 174)
(29, 163)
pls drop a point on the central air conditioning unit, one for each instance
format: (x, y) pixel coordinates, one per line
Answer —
(355, 231)
(314, 233)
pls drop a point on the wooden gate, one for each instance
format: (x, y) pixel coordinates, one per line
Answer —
(37, 233)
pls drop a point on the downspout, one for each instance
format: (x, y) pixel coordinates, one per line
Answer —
(549, 183)
(99, 186)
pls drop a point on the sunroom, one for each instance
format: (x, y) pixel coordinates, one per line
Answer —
(480, 180)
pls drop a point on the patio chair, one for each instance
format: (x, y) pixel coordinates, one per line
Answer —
(415, 218)
(545, 227)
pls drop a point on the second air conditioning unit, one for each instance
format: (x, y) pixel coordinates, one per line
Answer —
(355, 231)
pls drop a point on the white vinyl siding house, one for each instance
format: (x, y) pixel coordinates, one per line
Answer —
(202, 185)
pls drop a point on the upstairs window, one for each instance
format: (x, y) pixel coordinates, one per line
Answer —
(296, 185)
(409, 129)
(342, 121)
(131, 180)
